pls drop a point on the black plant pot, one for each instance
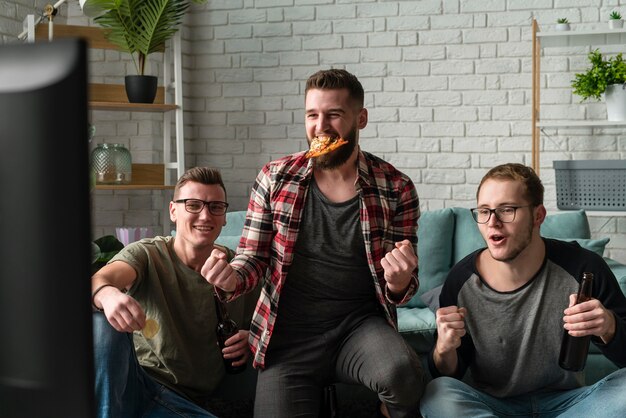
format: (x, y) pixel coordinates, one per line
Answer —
(141, 88)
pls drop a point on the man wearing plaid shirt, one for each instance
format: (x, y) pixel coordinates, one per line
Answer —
(334, 240)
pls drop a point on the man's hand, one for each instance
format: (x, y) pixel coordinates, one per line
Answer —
(398, 265)
(450, 329)
(218, 272)
(589, 318)
(237, 346)
(122, 311)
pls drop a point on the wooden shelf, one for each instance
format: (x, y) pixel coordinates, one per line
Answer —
(113, 97)
(94, 35)
(145, 177)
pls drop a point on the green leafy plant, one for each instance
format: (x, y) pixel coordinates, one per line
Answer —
(141, 27)
(615, 15)
(103, 250)
(602, 73)
(562, 20)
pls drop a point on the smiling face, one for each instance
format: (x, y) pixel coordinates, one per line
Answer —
(506, 241)
(331, 112)
(197, 230)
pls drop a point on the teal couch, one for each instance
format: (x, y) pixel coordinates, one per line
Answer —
(445, 237)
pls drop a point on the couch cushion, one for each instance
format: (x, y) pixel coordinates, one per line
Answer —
(467, 238)
(417, 326)
(231, 232)
(595, 245)
(571, 224)
(434, 234)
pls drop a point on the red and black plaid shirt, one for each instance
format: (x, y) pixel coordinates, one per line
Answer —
(389, 210)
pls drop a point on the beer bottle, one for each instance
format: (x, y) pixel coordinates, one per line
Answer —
(574, 349)
(225, 329)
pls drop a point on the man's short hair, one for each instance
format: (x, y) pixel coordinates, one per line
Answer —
(337, 79)
(518, 172)
(203, 175)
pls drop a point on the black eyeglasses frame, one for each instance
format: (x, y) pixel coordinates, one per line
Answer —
(211, 205)
(495, 212)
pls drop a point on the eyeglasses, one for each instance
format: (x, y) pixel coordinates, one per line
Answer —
(504, 214)
(216, 207)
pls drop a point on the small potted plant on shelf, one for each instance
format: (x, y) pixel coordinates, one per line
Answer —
(562, 24)
(605, 76)
(615, 20)
(141, 27)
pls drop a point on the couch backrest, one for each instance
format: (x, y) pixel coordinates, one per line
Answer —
(231, 232)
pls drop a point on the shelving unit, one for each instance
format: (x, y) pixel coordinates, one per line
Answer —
(564, 39)
(112, 97)
(561, 39)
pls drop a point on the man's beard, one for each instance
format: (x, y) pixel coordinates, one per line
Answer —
(339, 156)
(522, 241)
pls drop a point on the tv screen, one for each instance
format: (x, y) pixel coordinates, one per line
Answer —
(46, 353)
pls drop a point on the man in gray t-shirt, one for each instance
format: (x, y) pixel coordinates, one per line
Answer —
(504, 308)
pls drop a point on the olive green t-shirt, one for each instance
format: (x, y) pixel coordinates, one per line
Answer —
(183, 355)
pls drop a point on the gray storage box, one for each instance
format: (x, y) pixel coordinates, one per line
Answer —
(591, 184)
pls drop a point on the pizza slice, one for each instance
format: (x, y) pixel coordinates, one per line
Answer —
(321, 145)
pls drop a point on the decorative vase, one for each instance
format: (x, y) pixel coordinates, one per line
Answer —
(111, 164)
(140, 88)
(615, 96)
(616, 23)
(562, 26)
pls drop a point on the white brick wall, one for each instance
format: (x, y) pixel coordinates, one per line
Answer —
(448, 87)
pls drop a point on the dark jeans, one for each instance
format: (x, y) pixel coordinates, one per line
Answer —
(366, 351)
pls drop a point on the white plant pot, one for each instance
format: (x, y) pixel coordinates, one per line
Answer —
(615, 96)
(616, 24)
(562, 26)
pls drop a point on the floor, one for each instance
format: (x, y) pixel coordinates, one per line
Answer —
(348, 409)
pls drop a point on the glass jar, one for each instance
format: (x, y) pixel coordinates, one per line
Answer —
(111, 164)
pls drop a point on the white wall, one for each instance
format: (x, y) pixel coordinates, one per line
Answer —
(448, 88)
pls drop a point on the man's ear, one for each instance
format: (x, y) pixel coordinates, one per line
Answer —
(362, 120)
(540, 215)
(172, 212)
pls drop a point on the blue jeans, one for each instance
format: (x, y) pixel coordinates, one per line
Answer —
(449, 397)
(123, 388)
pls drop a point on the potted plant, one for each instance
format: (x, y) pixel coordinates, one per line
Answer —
(562, 24)
(141, 27)
(615, 20)
(102, 251)
(605, 76)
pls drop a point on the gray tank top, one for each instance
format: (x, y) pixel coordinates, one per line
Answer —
(329, 278)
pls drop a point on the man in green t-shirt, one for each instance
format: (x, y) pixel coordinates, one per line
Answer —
(155, 347)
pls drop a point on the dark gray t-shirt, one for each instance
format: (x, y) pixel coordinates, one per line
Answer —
(329, 278)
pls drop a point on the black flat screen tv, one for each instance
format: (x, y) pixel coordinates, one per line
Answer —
(46, 352)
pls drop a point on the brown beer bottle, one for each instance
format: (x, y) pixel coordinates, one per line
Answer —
(225, 329)
(574, 349)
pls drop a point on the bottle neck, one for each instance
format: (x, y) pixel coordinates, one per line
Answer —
(220, 309)
(584, 291)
